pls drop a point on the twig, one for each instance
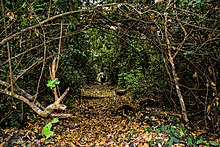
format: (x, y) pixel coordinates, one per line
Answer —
(49, 9)
(60, 42)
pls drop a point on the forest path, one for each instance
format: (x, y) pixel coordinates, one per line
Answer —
(102, 99)
(101, 118)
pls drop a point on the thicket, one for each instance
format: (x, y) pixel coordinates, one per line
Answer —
(168, 51)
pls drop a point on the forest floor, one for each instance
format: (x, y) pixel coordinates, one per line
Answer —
(101, 118)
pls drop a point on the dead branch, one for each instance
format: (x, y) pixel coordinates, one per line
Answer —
(36, 106)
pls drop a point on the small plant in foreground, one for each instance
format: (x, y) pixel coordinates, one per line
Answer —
(47, 128)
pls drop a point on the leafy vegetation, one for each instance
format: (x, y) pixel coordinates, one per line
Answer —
(164, 54)
(47, 128)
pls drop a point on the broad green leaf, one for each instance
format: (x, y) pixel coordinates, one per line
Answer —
(168, 132)
(214, 143)
(49, 134)
(190, 3)
(46, 130)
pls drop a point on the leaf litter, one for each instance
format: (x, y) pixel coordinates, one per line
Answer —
(101, 118)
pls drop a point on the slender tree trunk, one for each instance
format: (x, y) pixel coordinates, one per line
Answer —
(178, 91)
(171, 60)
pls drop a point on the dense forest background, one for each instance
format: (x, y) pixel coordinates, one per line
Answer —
(168, 51)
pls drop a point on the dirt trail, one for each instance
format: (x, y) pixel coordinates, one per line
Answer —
(100, 118)
(101, 99)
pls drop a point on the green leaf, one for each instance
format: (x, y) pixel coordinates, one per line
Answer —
(204, 8)
(190, 3)
(176, 140)
(163, 128)
(129, 137)
(55, 120)
(189, 141)
(160, 7)
(186, 53)
(145, 130)
(214, 143)
(49, 134)
(170, 142)
(172, 129)
(52, 84)
(199, 141)
(176, 134)
(78, 16)
(24, 21)
(149, 130)
(57, 82)
(46, 128)
(159, 140)
(168, 132)
(198, 1)
(71, 27)
(46, 131)
(157, 130)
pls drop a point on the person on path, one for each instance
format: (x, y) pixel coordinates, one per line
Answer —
(101, 77)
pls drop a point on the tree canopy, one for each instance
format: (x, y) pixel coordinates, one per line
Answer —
(166, 50)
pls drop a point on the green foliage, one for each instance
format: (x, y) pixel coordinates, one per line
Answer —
(152, 141)
(24, 21)
(214, 143)
(177, 133)
(52, 83)
(199, 141)
(47, 128)
(187, 53)
(131, 55)
(189, 141)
